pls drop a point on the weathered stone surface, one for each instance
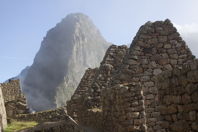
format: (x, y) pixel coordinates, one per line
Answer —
(66, 125)
(180, 97)
(194, 97)
(15, 101)
(77, 104)
(186, 99)
(179, 126)
(3, 117)
(171, 109)
(192, 115)
(157, 71)
(16, 107)
(90, 98)
(44, 116)
(12, 91)
(195, 126)
(148, 90)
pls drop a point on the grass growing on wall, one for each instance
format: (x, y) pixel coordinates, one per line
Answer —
(19, 125)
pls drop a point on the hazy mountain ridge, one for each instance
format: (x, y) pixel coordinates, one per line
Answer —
(68, 49)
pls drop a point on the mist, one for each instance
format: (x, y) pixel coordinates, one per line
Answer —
(66, 52)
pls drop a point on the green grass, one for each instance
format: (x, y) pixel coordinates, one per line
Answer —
(19, 125)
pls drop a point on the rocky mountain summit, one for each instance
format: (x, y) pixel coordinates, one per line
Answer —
(68, 49)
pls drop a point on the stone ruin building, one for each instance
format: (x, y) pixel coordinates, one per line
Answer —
(3, 117)
(178, 98)
(87, 103)
(152, 88)
(13, 106)
(14, 99)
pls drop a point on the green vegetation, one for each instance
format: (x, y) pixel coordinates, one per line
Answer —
(19, 125)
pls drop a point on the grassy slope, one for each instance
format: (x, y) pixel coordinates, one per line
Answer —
(18, 125)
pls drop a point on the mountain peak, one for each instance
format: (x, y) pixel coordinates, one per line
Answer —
(74, 18)
(77, 16)
(68, 49)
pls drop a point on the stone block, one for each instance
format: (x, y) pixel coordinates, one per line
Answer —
(162, 39)
(149, 96)
(195, 126)
(167, 46)
(179, 126)
(195, 97)
(157, 71)
(139, 121)
(164, 124)
(186, 99)
(192, 115)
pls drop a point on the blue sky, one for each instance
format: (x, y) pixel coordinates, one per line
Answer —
(24, 23)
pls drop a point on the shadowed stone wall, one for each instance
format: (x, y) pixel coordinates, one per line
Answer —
(15, 101)
(156, 48)
(67, 125)
(109, 66)
(77, 108)
(123, 109)
(11, 90)
(87, 106)
(44, 116)
(129, 99)
(178, 97)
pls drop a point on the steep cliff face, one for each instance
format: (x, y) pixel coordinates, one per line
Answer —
(68, 49)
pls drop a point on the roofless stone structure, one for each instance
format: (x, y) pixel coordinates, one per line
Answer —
(130, 100)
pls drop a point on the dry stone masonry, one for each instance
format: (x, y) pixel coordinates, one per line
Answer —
(127, 95)
(44, 116)
(3, 117)
(178, 99)
(123, 109)
(110, 64)
(150, 87)
(78, 108)
(15, 102)
(157, 47)
(76, 105)
(61, 126)
(89, 104)
(11, 90)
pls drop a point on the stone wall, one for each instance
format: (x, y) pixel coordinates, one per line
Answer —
(156, 48)
(3, 117)
(77, 108)
(109, 66)
(123, 109)
(67, 125)
(44, 116)
(178, 97)
(16, 107)
(11, 90)
(15, 101)
(85, 107)
(129, 99)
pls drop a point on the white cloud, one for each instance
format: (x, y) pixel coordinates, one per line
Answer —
(187, 28)
(189, 32)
